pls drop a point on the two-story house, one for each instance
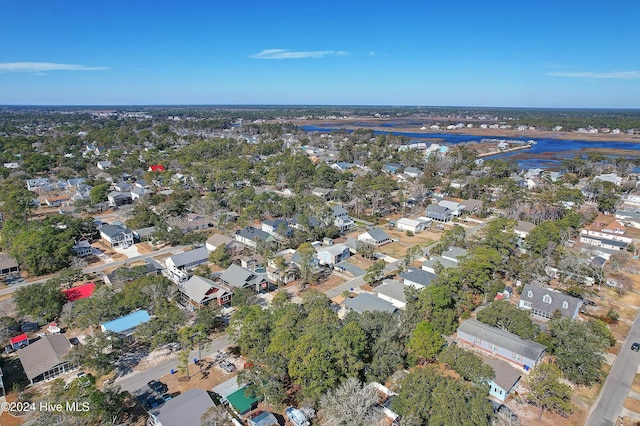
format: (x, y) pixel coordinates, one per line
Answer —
(179, 266)
(545, 302)
(117, 235)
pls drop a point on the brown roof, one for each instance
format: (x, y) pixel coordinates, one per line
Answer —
(43, 355)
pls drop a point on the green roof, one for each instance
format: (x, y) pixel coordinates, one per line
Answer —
(241, 401)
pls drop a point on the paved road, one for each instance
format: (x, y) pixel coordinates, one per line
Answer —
(618, 384)
(98, 268)
(139, 379)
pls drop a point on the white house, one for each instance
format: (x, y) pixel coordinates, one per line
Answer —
(455, 207)
(179, 266)
(413, 225)
(117, 235)
(609, 177)
(375, 236)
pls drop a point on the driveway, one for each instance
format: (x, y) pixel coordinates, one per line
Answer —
(131, 251)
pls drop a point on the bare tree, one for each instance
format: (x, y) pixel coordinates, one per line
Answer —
(352, 404)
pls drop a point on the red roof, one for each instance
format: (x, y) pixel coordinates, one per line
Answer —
(18, 339)
(156, 168)
(80, 292)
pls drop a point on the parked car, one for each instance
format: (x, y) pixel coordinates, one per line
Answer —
(157, 386)
(227, 366)
(635, 346)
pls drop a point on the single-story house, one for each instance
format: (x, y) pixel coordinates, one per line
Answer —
(454, 254)
(606, 243)
(217, 240)
(117, 235)
(44, 359)
(184, 409)
(125, 326)
(392, 168)
(502, 344)
(417, 278)
(238, 277)
(523, 228)
(439, 213)
(156, 168)
(103, 165)
(242, 401)
(178, 266)
(333, 254)
(364, 302)
(393, 292)
(413, 225)
(431, 264)
(198, 291)
(506, 378)
(376, 236)
(323, 193)
(80, 292)
(545, 302)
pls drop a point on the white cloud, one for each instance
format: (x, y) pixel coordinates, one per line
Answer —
(618, 75)
(292, 54)
(40, 67)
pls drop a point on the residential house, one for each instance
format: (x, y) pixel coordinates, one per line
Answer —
(376, 236)
(332, 254)
(606, 243)
(82, 248)
(117, 235)
(502, 344)
(609, 177)
(156, 168)
(56, 201)
(192, 222)
(126, 326)
(285, 275)
(263, 418)
(122, 187)
(238, 277)
(366, 302)
(341, 219)
(393, 292)
(341, 166)
(8, 265)
(144, 234)
(179, 266)
(545, 302)
(431, 265)
(417, 278)
(185, 409)
(296, 417)
(522, 228)
(38, 185)
(472, 205)
(412, 225)
(439, 213)
(198, 291)
(454, 254)
(103, 165)
(83, 291)
(251, 237)
(278, 228)
(323, 193)
(45, 358)
(303, 222)
(413, 172)
(217, 240)
(455, 207)
(505, 380)
(116, 198)
(392, 168)
(138, 192)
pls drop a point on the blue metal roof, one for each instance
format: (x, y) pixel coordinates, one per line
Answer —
(127, 322)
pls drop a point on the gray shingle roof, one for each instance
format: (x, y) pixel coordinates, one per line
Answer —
(113, 231)
(506, 375)
(378, 234)
(43, 355)
(254, 234)
(418, 276)
(392, 288)
(237, 276)
(191, 256)
(185, 409)
(504, 339)
(368, 302)
(556, 300)
(436, 209)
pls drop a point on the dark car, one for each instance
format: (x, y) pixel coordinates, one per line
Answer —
(158, 387)
(635, 347)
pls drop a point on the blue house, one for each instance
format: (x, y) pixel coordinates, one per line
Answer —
(506, 378)
(125, 326)
(392, 168)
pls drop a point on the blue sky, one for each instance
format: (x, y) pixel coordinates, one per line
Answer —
(432, 52)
